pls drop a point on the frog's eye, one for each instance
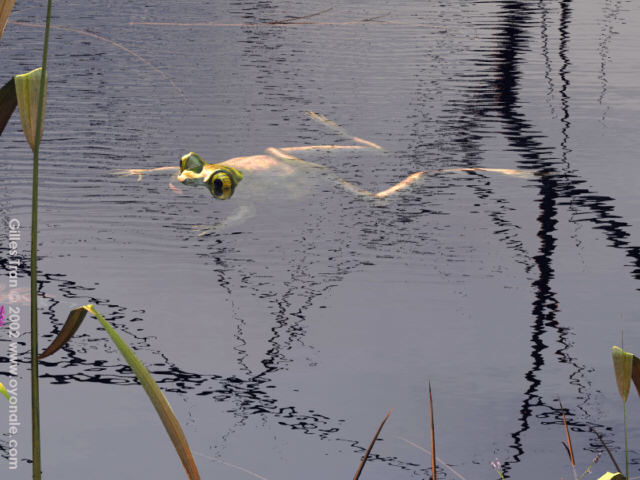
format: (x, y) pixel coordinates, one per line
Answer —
(192, 162)
(221, 185)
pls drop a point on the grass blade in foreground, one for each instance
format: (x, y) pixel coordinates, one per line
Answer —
(623, 366)
(4, 392)
(5, 10)
(366, 454)
(154, 393)
(28, 96)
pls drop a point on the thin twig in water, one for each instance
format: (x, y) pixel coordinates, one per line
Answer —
(429, 453)
(615, 464)
(105, 39)
(373, 19)
(230, 465)
(366, 454)
(293, 19)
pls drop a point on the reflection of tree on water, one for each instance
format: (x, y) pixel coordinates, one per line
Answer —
(248, 394)
(611, 13)
(497, 96)
(559, 182)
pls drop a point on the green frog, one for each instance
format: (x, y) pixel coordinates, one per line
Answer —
(222, 179)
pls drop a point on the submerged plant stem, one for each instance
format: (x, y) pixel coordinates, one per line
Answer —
(35, 390)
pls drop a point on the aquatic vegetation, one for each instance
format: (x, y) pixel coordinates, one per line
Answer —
(159, 401)
(366, 454)
(4, 392)
(28, 93)
(434, 472)
(497, 466)
(626, 367)
(5, 10)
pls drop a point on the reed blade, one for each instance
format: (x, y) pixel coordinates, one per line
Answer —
(5, 10)
(612, 476)
(622, 366)
(159, 401)
(157, 398)
(74, 320)
(366, 455)
(8, 103)
(28, 96)
(433, 436)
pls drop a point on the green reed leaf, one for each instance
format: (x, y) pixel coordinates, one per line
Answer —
(8, 102)
(622, 366)
(154, 393)
(27, 91)
(5, 10)
(4, 392)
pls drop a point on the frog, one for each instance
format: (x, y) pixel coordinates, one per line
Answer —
(222, 179)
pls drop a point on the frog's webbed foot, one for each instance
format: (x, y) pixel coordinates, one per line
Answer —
(175, 189)
(130, 171)
(236, 218)
(140, 171)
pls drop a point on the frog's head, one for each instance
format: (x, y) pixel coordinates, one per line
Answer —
(221, 180)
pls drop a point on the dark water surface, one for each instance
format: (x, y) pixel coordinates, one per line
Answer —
(283, 337)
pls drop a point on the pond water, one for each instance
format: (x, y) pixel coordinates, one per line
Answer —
(284, 336)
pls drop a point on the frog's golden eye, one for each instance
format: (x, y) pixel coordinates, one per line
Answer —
(221, 185)
(192, 162)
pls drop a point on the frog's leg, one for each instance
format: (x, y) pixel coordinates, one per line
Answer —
(415, 176)
(283, 154)
(337, 128)
(140, 171)
(308, 148)
(236, 218)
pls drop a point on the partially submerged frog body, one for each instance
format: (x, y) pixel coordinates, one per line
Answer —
(221, 179)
